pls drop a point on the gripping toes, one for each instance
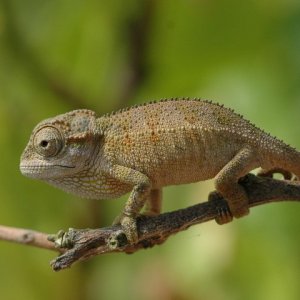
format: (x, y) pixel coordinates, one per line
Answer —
(237, 201)
(224, 213)
(228, 209)
(129, 227)
(128, 224)
(224, 216)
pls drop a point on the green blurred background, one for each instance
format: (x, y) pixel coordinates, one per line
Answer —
(57, 56)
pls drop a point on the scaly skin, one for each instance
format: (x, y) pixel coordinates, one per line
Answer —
(146, 147)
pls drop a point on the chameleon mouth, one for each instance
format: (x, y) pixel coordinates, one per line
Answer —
(34, 170)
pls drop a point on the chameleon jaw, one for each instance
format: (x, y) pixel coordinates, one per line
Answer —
(42, 170)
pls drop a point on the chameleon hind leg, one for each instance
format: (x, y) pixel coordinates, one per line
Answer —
(153, 204)
(226, 183)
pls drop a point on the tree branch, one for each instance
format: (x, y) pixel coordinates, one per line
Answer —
(155, 230)
(85, 243)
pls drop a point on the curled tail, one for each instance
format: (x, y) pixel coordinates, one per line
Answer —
(281, 158)
(287, 175)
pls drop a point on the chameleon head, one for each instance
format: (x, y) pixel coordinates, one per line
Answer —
(60, 146)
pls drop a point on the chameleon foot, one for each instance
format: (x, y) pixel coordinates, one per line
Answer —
(129, 227)
(224, 214)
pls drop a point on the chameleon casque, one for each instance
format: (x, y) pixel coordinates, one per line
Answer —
(143, 148)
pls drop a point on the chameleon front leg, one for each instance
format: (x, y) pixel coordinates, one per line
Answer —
(226, 183)
(138, 196)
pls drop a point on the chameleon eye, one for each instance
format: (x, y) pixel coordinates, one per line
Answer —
(48, 141)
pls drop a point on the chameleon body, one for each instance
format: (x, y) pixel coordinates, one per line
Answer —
(146, 147)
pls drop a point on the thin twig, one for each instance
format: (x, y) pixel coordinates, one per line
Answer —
(26, 237)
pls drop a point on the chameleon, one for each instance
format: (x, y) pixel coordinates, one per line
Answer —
(143, 148)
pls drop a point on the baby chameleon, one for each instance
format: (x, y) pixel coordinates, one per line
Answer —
(146, 147)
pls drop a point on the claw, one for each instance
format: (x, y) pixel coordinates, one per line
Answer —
(224, 216)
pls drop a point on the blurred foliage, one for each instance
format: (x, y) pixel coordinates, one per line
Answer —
(61, 55)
